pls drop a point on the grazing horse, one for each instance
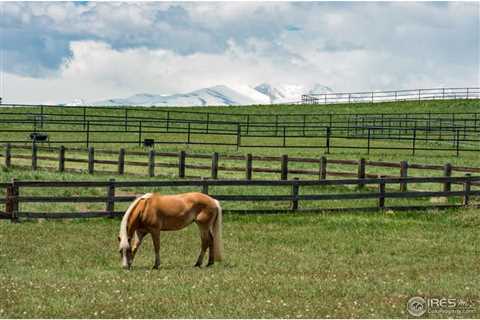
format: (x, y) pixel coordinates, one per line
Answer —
(152, 213)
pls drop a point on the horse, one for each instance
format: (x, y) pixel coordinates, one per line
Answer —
(153, 212)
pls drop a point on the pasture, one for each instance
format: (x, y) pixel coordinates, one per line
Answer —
(427, 127)
(292, 266)
(295, 265)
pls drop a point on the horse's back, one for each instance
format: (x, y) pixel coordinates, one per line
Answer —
(200, 198)
(174, 212)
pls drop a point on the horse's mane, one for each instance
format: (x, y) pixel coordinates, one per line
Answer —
(124, 243)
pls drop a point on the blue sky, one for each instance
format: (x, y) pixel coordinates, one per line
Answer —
(61, 51)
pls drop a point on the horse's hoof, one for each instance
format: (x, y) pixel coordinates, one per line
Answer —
(155, 268)
(210, 264)
(197, 265)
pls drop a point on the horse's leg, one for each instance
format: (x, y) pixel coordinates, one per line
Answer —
(210, 249)
(156, 244)
(204, 238)
(137, 242)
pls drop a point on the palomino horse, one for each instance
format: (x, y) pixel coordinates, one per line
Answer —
(152, 213)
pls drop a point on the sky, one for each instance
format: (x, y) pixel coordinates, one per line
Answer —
(54, 52)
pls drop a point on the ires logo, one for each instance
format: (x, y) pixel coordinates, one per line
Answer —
(418, 306)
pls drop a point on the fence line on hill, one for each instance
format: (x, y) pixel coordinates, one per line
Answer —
(392, 96)
(457, 138)
(14, 198)
(284, 119)
(152, 165)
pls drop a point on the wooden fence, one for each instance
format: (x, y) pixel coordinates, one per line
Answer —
(372, 133)
(284, 170)
(14, 198)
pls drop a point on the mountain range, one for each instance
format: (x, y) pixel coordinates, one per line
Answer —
(220, 95)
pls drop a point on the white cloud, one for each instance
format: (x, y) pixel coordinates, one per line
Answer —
(119, 49)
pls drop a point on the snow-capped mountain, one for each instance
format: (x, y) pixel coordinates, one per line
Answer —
(213, 96)
(220, 95)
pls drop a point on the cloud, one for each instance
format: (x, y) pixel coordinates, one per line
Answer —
(100, 50)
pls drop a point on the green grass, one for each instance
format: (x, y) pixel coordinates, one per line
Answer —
(292, 266)
(257, 114)
(284, 266)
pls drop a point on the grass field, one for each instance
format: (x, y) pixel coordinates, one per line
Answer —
(300, 265)
(293, 266)
(317, 116)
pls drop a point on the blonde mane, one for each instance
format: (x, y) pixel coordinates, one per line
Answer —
(124, 244)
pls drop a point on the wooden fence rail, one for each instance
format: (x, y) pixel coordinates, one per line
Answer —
(14, 198)
(360, 167)
(454, 134)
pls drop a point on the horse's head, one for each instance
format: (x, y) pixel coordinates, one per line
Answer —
(125, 250)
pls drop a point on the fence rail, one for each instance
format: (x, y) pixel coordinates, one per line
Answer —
(393, 96)
(154, 161)
(13, 200)
(410, 136)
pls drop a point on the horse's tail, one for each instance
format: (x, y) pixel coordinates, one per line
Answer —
(217, 234)
(124, 244)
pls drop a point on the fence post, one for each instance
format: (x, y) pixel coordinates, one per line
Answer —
(368, 141)
(88, 134)
(204, 185)
(328, 140)
(466, 190)
(303, 127)
(111, 197)
(361, 171)
(61, 159)
(276, 125)
(239, 135)
(121, 161)
(181, 164)
(323, 168)
(295, 187)
(447, 172)
(14, 200)
(84, 117)
(9, 201)
(381, 190)
(91, 160)
(414, 141)
(126, 119)
(248, 167)
(458, 142)
(34, 155)
(151, 163)
(41, 116)
(8, 155)
(214, 168)
(139, 133)
(284, 168)
(188, 133)
(403, 174)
